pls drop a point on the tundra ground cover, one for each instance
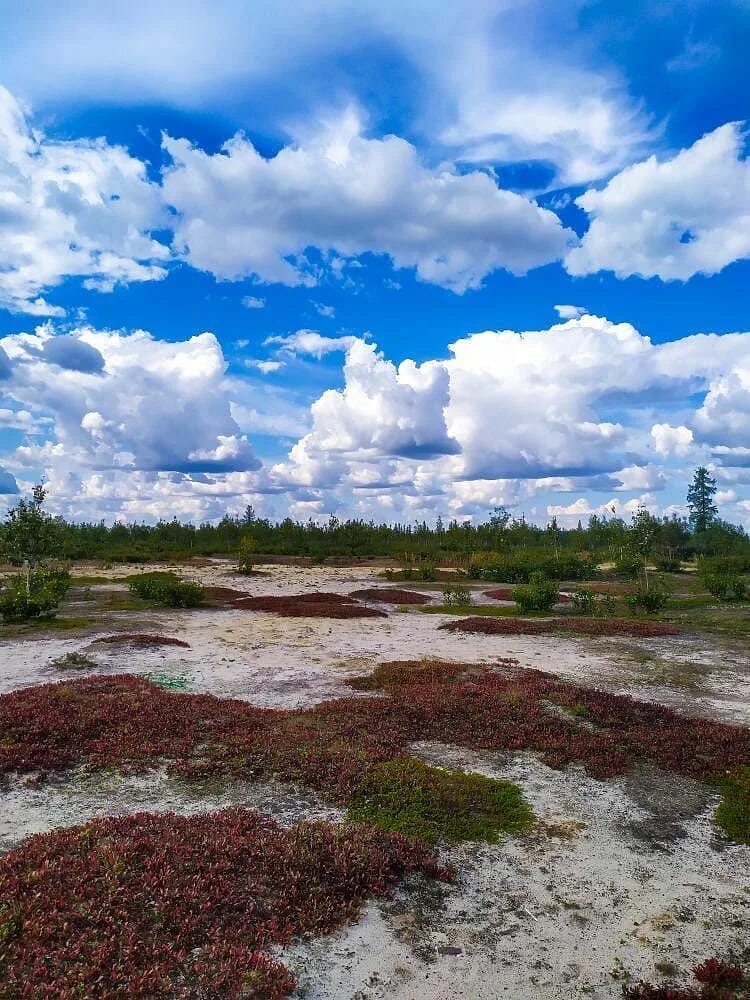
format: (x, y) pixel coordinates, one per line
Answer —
(142, 640)
(390, 595)
(316, 605)
(715, 979)
(165, 905)
(580, 626)
(124, 721)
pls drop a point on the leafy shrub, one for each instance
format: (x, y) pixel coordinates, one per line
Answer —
(629, 566)
(426, 573)
(134, 905)
(409, 797)
(539, 594)
(23, 598)
(587, 602)
(648, 599)
(733, 812)
(518, 567)
(245, 554)
(456, 595)
(722, 579)
(668, 564)
(167, 589)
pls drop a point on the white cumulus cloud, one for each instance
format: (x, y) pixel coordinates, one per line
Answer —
(671, 218)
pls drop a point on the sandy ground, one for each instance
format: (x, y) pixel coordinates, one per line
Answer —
(619, 875)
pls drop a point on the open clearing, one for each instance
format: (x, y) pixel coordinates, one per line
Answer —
(619, 878)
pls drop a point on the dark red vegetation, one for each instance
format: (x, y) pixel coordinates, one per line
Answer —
(125, 721)
(163, 905)
(223, 596)
(390, 595)
(141, 640)
(715, 979)
(539, 626)
(315, 605)
(506, 594)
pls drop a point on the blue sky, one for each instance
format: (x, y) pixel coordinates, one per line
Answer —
(325, 216)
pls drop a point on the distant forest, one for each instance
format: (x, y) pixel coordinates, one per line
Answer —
(601, 538)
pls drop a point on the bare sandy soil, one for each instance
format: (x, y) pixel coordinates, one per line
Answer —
(617, 877)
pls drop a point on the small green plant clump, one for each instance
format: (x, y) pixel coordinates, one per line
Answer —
(539, 594)
(73, 661)
(167, 590)
(733, 812)
(409, 797)
(457, 596)
(35, 594)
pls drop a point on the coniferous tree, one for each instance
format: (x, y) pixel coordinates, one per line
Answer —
(700, 500)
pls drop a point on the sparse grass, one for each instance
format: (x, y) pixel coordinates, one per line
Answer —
(409, 797)
(733, 813)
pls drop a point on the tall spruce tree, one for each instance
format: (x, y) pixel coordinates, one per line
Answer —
(700, 499)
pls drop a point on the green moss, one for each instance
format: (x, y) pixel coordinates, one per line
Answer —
(733, 813)
(407, 796)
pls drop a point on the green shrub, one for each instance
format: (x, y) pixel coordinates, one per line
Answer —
(721, 579)
(457, 596)
(539, 594)
(409, 797)
(427, 573)
(518, 567)
(23, 598)
(167, 589)
(648, 599)
(245, 555)
(629, 566)
(73, 661)
(668, 564)
(588, 603)
(733, 813)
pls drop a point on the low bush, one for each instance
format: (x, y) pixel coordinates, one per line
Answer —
(668, 564)
(409, 797)
(539, 594)
(587, 602)
(517, 568)
(167, 590)
(722, 582)
(23, 599)
(245, 554)
(648, 599)
(629, 566)
(163, 905)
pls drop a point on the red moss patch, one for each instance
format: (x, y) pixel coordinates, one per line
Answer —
(223, 596)
(164, 905)
(715, 979)
(579, 626)
(127, 722)
(142, 640)
(506, 594)
(316, 605)
(391, 595)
